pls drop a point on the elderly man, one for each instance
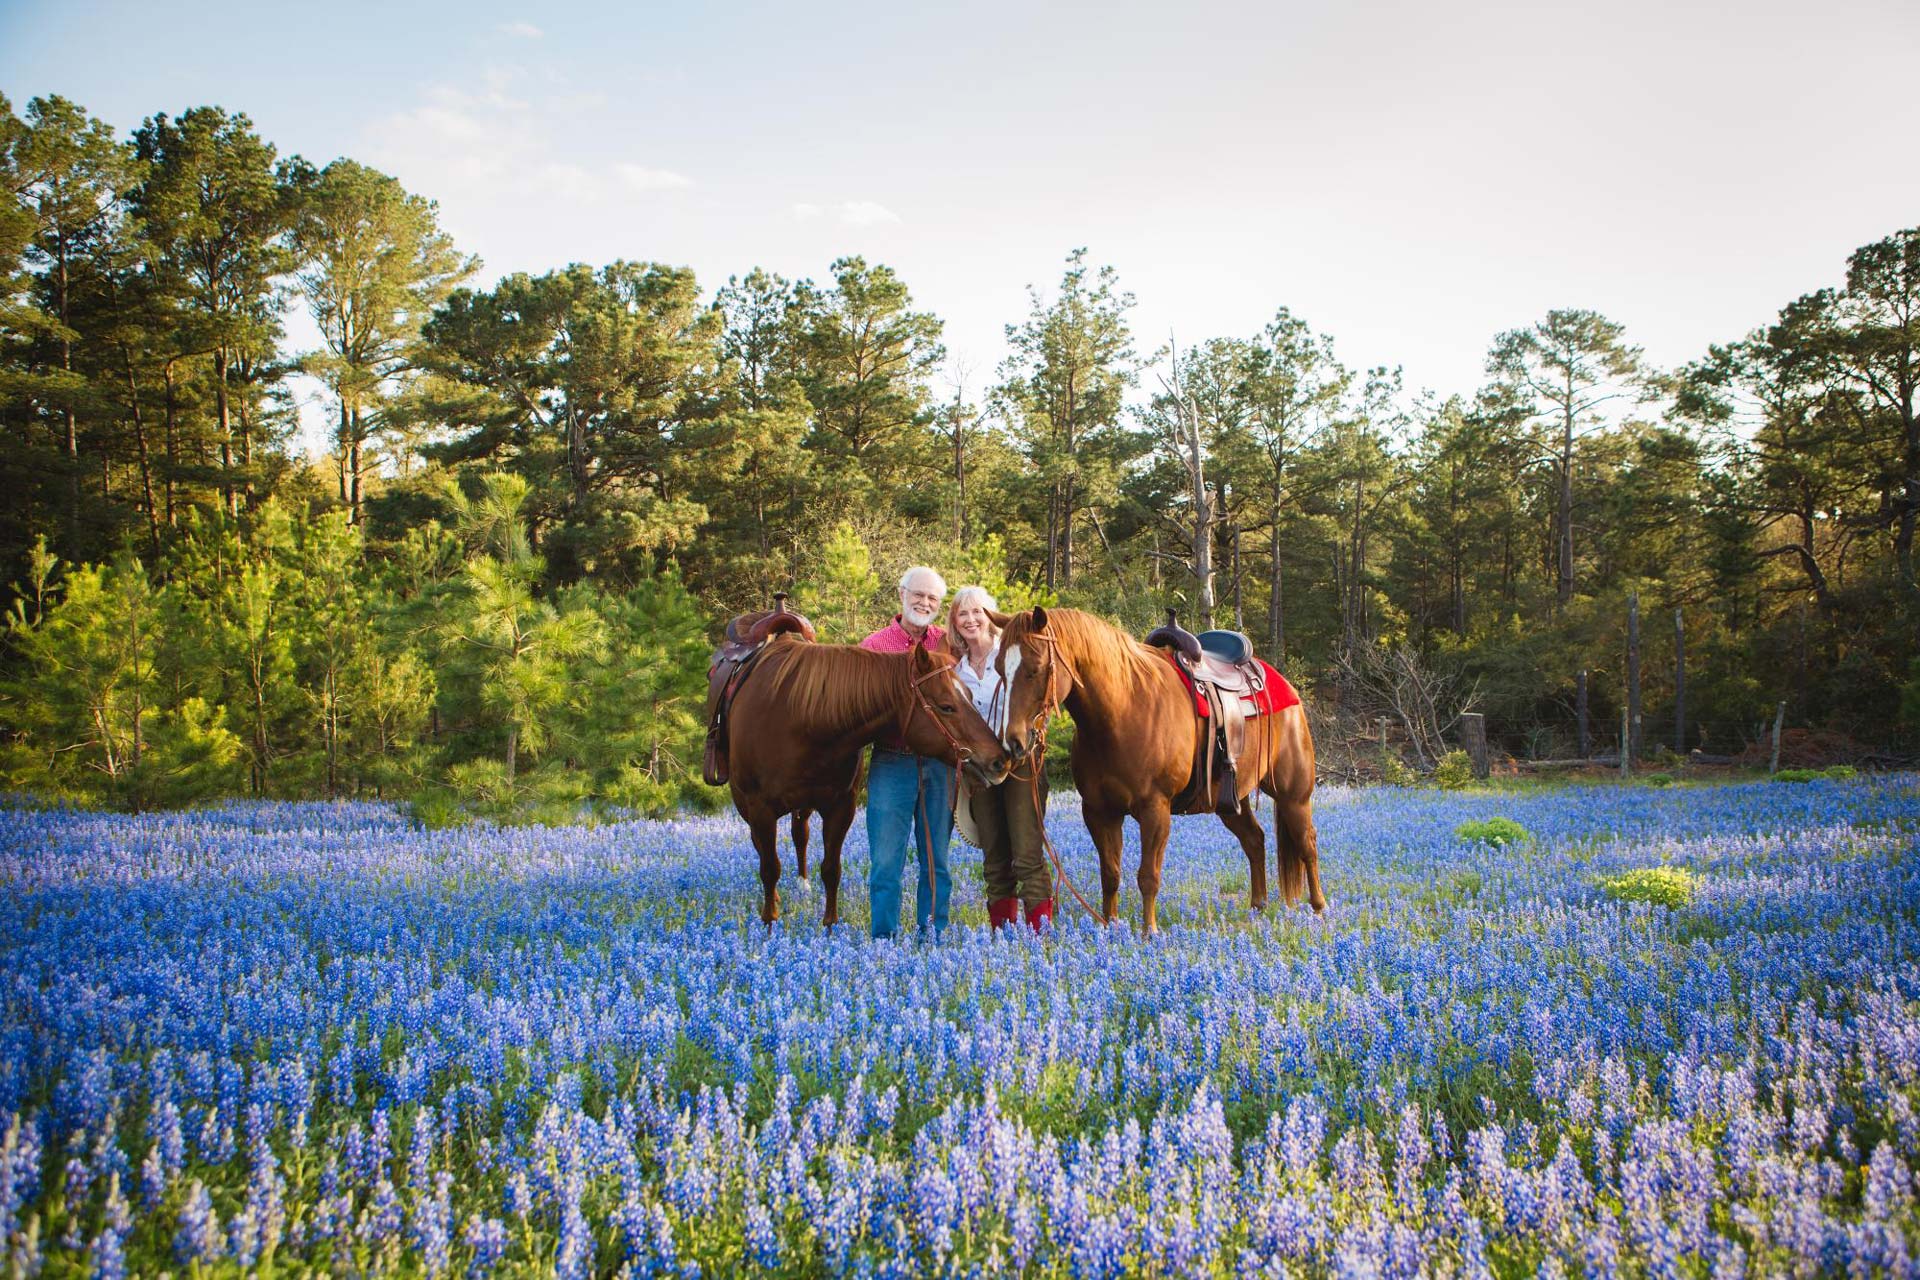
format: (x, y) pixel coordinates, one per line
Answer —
(909, 794)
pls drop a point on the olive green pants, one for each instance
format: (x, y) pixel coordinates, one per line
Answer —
(1015, 861)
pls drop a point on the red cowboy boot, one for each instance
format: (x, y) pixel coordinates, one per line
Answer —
(1002, 911)
(1040, 913)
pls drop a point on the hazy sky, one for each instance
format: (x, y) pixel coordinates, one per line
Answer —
(1409, 177)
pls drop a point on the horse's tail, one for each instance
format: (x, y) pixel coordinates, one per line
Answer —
(1291, 863)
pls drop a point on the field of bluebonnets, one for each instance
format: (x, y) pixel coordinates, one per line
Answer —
(297, 1039)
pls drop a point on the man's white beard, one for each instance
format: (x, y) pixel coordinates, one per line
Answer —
(917, 617)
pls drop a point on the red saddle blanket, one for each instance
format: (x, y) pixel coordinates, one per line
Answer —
(1277, 696)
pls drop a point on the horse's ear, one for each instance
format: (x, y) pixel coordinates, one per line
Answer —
(1039, 617)
(922, 658)
(999, 619)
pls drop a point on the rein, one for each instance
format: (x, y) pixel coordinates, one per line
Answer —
(1037, 762)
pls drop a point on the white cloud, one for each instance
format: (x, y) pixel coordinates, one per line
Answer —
(465, 148)
(852, 213)
(865, 213)
(640, 178)
(525, 30)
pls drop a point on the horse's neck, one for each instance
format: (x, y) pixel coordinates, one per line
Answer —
(1110, 681)
(872, 697)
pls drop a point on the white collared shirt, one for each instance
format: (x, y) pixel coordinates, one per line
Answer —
(985, 690)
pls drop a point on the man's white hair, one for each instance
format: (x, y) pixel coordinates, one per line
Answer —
(907, 577)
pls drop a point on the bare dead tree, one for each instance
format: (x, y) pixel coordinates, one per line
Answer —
(1397, 683)
(1182, 425)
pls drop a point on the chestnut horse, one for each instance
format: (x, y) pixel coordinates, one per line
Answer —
(1133, 751)
(799, 722)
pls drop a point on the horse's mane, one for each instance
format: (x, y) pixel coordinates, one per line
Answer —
(831, 686)
(1099, 647)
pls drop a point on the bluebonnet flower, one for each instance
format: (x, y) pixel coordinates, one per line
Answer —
(199, 1237)
(487, 1239)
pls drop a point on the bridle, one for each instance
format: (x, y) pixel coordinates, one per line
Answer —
(919, 701)
(1051, 703)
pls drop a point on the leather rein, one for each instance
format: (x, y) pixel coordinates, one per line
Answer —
(1036, 759)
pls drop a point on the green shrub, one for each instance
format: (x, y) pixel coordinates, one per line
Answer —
(1658, 780)
(1498, 832)
(1454, 772)
(1394, 772)
(1834, 772)
(436, 807)
(1670, 887)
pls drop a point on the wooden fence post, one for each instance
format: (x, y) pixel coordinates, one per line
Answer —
(1626, 751)
(1580, 706)
(1779, 719)
(1473, 736)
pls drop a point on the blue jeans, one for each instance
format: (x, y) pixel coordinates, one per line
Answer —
(895, 783)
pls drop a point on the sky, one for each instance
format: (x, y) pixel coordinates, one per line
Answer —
(1411, 178)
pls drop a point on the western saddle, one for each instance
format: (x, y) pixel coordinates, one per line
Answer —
(1224, 671)
(746, 643)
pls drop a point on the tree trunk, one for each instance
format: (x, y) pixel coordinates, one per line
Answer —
(353, 503)
(1564, 592)
(140, 443)
(224, 413)
(173, 457)
(1679, 684)
(1276, 610)
(1066, 499)
(1633, 675)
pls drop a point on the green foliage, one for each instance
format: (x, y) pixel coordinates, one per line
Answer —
(1657, 780)
(787, 434)
(1498, 832)
(843, 595)
(1669, 887)
(1394, 771)
(1834, 772)
(1454, 772)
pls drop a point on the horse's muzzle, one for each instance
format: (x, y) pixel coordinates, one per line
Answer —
(991, 772)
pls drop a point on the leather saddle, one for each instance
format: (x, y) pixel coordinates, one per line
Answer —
(1223, 669)
(746, 642)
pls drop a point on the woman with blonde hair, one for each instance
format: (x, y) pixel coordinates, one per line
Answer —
(1004, 817)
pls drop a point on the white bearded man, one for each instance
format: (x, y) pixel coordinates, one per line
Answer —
(909, 795)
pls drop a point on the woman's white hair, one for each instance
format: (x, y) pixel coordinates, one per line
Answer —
(961, 598)
(975, 595)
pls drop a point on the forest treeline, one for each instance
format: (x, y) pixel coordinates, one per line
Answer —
(542, 495)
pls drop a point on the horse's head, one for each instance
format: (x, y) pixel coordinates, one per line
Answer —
(1038, 678)
(939, 719)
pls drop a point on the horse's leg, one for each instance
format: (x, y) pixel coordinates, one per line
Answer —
(1108, 840)
(766, 839)
(1156, 824)
(835, 822)
(797, 827)
(1246, 827)
(1299, 851)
